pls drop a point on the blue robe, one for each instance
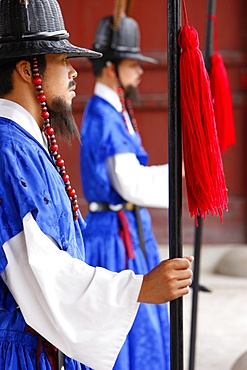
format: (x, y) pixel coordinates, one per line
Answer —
(30, 183)
(103, 135)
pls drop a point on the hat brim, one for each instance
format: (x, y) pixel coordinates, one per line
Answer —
(119, 55)
(139, 57)
(10, 50)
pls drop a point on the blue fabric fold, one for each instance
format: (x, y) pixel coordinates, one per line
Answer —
(104, 134)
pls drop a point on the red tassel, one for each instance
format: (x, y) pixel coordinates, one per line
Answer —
(205, 181)
(221, 94)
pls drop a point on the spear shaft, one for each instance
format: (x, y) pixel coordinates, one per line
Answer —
(175, 175)
(211, 5)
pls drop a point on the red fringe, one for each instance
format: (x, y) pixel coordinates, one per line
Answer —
(222, 98)
(205, 181)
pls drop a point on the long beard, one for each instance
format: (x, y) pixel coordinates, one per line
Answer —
(62, 119)
(132, 93)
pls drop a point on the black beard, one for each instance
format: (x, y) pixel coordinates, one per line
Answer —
(62, 119)
(132, 93)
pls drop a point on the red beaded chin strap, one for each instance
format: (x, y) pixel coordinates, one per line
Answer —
(52, 143)
(127, 106)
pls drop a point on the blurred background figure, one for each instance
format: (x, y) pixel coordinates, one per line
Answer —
(118, 184)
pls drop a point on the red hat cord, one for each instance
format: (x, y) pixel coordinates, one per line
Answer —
(222, 97)
(53, 147)
(205, 180)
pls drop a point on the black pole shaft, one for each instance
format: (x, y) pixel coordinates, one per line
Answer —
(197, 252)
(175, 175)
(60, 361)
(198, 230)
(128, 6)
(209, 33)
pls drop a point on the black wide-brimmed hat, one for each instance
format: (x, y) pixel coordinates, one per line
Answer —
(35, 27)
(124, 42)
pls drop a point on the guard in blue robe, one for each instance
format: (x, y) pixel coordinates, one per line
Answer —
(30, 183)
(147, 345)
(39, 216)
(104, 135)
(51, 301)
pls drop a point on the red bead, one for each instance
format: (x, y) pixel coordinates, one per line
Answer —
(75, 207)
(45, 114)
(54, 147)
(71, 192)
(65, 177)
(41, 98)
(49, 131)
(76, 216)
(60, 162)
(37, 81)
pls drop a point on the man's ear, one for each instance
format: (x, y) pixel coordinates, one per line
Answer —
(23, 68)
(111, 69)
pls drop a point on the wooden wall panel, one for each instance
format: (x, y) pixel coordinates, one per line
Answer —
(81, 18)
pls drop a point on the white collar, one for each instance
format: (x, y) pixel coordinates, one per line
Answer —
(108, 94)
(23, 118)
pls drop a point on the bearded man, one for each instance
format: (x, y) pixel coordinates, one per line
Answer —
(56, 311)
(119, 185)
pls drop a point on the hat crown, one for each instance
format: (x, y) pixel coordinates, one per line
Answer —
(125, 39)
(35, 27)
(21, 19)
